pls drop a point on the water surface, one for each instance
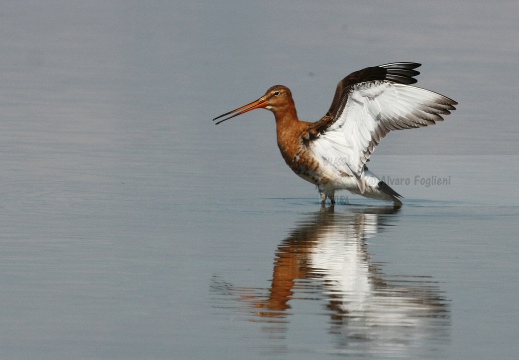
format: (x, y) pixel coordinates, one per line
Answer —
(132, 228)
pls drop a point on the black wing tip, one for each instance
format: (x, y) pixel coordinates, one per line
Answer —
(401, 72)
(402, 79)
(401, 65)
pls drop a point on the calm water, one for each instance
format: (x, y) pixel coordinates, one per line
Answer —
(132, 228)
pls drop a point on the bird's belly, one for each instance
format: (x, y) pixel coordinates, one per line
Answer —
(325, 175)
(322, 175)
(304, 166)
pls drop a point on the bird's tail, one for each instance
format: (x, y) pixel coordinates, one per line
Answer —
(386, 189)
(378, 189)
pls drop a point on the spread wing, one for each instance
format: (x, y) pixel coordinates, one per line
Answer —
(368, 104)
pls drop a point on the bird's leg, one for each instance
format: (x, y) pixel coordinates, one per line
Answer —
(323, 196)
(331, 196)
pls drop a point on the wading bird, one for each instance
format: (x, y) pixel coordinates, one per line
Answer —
(332, 152)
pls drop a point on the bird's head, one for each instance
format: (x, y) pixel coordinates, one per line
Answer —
(275, 99)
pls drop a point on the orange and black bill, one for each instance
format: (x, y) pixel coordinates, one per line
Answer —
(258, 104)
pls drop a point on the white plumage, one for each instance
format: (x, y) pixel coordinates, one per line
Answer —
(366, 113)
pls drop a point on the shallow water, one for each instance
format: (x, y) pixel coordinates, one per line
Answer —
(133, 228)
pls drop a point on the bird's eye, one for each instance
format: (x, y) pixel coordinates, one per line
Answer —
(276, 93)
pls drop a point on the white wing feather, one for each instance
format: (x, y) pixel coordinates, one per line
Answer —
(367, 114)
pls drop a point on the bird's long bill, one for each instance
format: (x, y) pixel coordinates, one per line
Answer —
(260, 103)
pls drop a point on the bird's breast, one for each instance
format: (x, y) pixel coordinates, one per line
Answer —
(298, 157)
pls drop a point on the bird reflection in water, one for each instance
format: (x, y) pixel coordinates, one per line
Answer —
(326, 258)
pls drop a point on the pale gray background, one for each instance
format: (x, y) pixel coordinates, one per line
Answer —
(121, 202)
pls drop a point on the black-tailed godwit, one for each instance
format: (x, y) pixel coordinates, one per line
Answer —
(332, 152)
